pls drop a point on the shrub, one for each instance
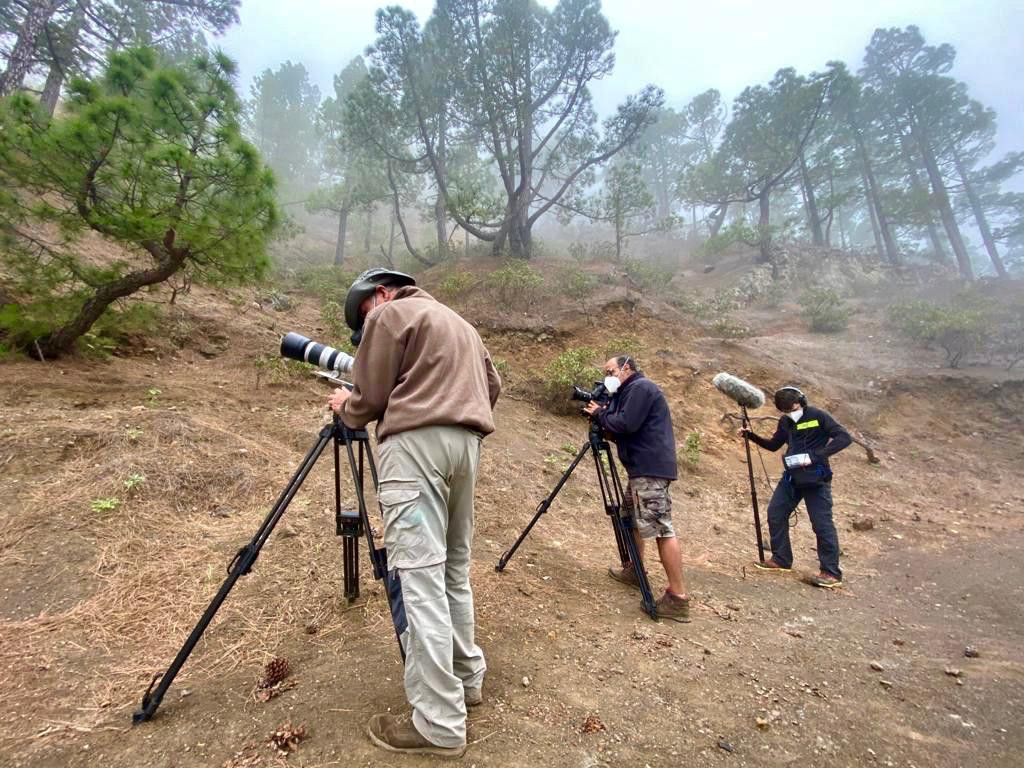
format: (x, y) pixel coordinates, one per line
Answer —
(824, 310)
(515, 283)
(572, 368)
(501, 366)
(958, 330)
(575, 283)
(332, 314)
(455, 285)
(727, 328)
(622, 345)
(275, 369)
(648, 277)
(692, 449)
(325, 281)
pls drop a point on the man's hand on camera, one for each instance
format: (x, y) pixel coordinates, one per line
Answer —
(337, 399)
(591, 408)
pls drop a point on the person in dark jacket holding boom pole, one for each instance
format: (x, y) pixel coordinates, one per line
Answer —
(810, 435)
(638, 420)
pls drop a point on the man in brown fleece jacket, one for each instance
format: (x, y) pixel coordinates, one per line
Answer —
(423, 374)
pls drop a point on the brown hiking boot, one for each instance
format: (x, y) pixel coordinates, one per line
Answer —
(771, 565)
(474, 696)
(825, 581)
(670, 606)
(626, 575)
(398, 734)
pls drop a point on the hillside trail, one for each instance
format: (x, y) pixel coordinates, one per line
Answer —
(103, 576)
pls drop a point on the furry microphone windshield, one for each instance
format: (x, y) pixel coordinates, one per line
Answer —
(743, 393)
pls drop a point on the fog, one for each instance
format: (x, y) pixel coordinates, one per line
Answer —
(687, 47)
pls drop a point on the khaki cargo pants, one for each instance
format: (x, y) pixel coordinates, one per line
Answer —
(648, 501)
(427, 480)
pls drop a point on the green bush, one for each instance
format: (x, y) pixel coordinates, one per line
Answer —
(727, 328)
(325, 281)
(332, 315)
(689, 303)
(692, 449)
(824, 310)
(575, 283)
(275, 369)
(956, 329)
(572, 368)
(622, 345)
(501, 366)
(737, 232)
(515, 284)
(455, 285)
(648, 277)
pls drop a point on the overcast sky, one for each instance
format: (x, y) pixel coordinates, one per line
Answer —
(685, 46)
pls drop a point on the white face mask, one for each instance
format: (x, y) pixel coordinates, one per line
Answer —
(612, 384)
(795, 415)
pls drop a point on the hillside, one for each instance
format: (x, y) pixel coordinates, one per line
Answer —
(99, 594)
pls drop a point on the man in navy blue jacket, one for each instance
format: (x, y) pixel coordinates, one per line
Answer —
(638, 420)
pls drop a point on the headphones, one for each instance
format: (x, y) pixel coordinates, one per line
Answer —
(803, 397)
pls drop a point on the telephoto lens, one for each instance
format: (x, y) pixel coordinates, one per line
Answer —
(295, 346)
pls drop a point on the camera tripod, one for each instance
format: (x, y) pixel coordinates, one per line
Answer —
(349, 524)
(611, 494)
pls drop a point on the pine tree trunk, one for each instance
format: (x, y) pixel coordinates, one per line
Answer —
(368, 233)
(917, 186)
(963, 260)
(20, 60)
(764, 228)
(813, 219)
(61, 57)
(717, 218)
(875, 201)
(874, 219)
(391, 239)
(339, 247)
(63, 339)
(980, 218)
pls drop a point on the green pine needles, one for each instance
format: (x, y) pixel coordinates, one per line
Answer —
(149, 157)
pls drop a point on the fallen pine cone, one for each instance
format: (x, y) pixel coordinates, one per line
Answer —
(592, 724)
(277, 669)
(286, 738)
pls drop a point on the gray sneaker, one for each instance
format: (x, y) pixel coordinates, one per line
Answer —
(474, 696)
(669, 606)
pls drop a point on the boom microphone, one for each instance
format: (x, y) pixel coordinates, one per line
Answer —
(743, 393)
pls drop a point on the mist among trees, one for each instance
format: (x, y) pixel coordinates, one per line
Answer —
(476, 127)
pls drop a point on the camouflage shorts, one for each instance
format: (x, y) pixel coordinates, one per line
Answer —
(648, 502)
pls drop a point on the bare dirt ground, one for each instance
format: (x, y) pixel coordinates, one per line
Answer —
(102, 576)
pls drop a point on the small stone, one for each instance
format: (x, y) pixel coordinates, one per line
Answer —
(526, 682)
(971, 652)
(561, 615)
(864, 524)
(876, 666)
(887, 684)
(953, 671)
(723, 744)
(762, 723)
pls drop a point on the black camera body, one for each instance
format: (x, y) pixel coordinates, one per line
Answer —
(599, 394)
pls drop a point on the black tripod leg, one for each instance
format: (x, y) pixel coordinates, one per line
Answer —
(239, 566)
(753, 490)
(542, 508)
(611, 491)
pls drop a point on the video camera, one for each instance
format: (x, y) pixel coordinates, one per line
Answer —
(598, 394)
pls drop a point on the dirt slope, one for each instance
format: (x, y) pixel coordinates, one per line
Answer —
(95, 599)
